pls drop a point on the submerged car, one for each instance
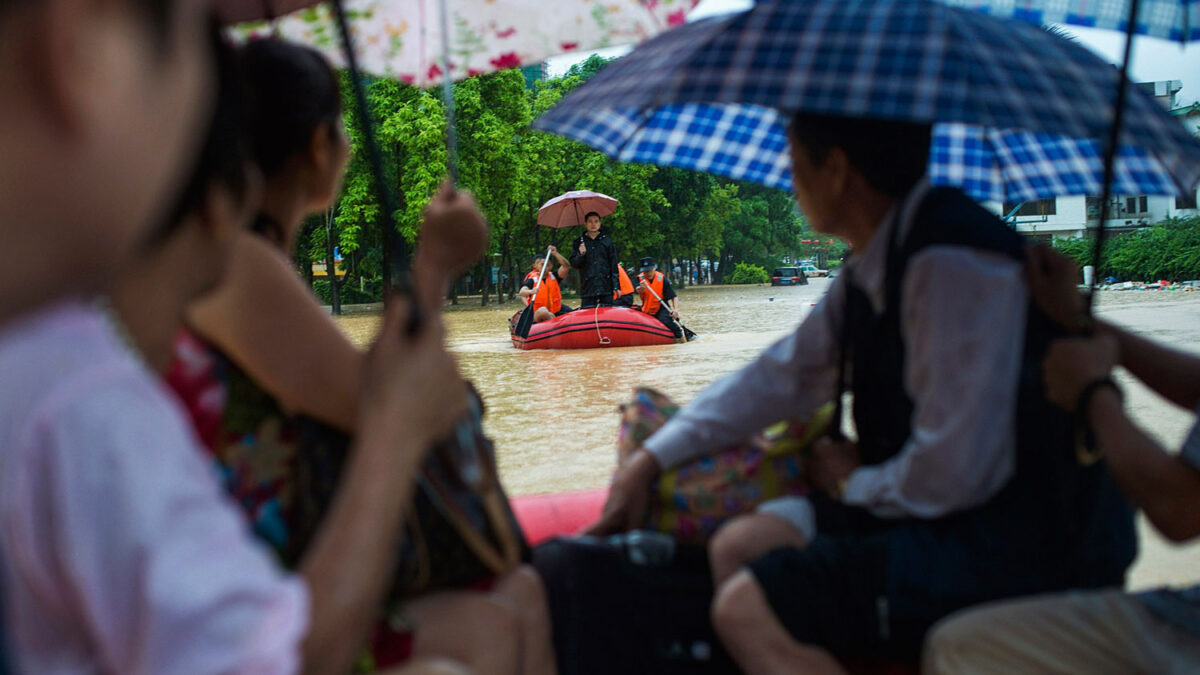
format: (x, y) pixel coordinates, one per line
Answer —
(788, 276)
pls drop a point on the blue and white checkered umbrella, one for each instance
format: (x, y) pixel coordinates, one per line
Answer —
(1177, 20)
(1018, 113)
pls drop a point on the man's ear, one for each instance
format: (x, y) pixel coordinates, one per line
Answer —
(836, 169)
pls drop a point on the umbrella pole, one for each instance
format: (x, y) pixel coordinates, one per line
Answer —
(448, 97)
(397, 275)
(1110, 155)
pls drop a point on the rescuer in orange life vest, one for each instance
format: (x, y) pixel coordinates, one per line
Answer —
(664, 307)
(623, 296)
(548, 302)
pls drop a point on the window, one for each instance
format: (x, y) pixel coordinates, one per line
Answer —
(1093, 209)
(1041, 207)
(1187, 201)
(1135, 204)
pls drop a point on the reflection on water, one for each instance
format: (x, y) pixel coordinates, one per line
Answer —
(553, 414)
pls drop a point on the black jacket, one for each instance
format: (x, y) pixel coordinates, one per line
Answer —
(598, 267)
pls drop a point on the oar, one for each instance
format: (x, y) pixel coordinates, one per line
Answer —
(526, 321)
(687, 332)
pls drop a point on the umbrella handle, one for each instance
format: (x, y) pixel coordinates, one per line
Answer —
(538, 285)
(400, 278)
(448, 97)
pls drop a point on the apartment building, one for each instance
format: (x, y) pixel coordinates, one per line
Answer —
(1070, 216)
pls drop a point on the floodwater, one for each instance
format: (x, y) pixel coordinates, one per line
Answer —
(553, 414)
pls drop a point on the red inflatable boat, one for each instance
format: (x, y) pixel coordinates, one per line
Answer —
(565, 513)
(596, 327)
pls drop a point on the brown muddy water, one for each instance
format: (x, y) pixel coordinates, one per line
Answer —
(553, 414)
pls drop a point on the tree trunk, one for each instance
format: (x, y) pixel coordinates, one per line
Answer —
(454, 291)
(505, 263)
(486, 266)
(335, 299)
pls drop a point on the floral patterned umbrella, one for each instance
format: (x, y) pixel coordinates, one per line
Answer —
(403, 39)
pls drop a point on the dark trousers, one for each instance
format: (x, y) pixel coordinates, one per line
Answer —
(664, 315)
(625, 300)
(589, 301)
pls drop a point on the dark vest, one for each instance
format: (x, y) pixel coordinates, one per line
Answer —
(1055, 525)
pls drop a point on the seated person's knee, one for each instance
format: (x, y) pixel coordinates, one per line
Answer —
(747, 538)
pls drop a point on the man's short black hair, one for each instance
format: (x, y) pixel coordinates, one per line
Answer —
(539, 256)
(892, 156)
(589, 215)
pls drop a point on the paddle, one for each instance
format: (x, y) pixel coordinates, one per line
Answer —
(526, 321)
(688, 333)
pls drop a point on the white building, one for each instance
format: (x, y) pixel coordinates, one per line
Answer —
(1070, 216)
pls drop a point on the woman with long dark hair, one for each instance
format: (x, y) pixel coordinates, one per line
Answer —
(292, 359)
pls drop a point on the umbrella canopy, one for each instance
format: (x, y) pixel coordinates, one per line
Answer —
(403, 39)
(1177, 20)
(569, 208)
(1019, 113)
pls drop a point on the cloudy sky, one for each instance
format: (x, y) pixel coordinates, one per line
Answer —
(1153, 59)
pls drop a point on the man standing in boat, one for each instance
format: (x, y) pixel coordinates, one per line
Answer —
(595, 256)
(658, 297)
(547, 296)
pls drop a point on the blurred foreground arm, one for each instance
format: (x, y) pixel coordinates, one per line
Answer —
(1165, 486)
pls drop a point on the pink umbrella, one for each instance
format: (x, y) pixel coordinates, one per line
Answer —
(406, 39)
(569, 208)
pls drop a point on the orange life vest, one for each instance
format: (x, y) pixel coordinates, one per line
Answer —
(549, 295)
(650, 304)
(626, 285)
(532, 275)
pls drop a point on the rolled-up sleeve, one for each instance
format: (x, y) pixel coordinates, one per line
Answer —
(138, 536)
(964, 325)
(791, 379)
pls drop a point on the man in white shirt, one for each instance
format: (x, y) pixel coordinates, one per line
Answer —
(957, 458)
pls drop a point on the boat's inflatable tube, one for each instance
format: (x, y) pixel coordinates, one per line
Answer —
(596, 327)
(566, 513)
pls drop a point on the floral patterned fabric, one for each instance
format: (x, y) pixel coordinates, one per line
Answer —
(402, 39)
(252, 440)
(255, 446)
(693, 500)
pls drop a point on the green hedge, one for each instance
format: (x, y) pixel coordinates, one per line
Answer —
(748, 274)
(1169, 250)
